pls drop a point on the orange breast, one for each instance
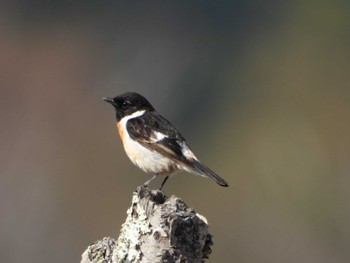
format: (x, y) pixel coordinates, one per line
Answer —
(121, 131)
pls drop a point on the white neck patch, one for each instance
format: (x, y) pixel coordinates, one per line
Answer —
(125, 119)
(132, 116)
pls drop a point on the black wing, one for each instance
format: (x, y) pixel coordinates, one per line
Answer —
(156, 133)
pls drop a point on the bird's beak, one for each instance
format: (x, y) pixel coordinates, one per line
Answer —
(109, 100)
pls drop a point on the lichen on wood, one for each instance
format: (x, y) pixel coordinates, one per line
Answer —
(157, 229)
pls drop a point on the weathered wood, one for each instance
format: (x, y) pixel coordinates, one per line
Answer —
(157, 229)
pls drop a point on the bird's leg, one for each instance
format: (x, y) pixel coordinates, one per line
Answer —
(163, 183)
(148, 181)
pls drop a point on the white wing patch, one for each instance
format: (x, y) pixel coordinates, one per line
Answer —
(158, 136)
(186, 151)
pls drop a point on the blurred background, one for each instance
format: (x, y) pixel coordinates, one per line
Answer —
(260, 90)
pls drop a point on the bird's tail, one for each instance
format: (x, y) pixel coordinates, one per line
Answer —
(202, 170)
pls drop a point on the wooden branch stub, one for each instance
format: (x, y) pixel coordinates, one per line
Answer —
(101, 251)
(157, 229)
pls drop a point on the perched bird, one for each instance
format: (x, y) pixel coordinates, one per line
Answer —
(152, 143)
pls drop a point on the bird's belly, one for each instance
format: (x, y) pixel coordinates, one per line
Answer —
(147, 160)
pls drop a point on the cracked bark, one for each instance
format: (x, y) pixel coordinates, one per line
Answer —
(157, 229)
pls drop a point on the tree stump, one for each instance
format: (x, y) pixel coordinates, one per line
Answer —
(157, 229)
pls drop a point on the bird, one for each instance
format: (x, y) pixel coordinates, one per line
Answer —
(152, 143)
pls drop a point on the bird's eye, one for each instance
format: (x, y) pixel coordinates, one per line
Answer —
(125, 104)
